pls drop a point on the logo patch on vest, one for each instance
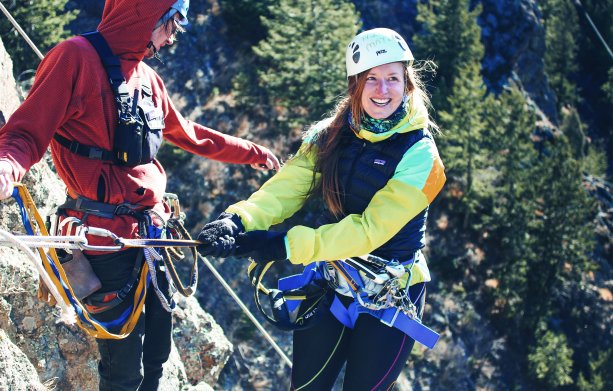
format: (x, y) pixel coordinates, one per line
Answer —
(380, 162)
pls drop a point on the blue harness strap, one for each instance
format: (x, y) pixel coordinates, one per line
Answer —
(392, 317)
(296, 281)
(56, 273)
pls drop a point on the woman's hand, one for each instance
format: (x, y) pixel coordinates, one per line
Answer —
(218, 236)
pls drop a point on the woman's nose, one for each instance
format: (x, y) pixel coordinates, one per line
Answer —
(382, 87)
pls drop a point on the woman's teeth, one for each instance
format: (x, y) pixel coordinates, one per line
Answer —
(380, 102)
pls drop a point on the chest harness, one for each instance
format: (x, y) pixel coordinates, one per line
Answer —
(137, 139)
(379, 286)
(138, 134)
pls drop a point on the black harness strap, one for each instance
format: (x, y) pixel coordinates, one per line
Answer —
(87, 151)
(112, 67)
(100, 209)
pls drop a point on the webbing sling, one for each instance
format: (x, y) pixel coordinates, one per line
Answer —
(34, 225)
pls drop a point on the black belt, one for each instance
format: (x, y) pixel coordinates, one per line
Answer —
(100, 209)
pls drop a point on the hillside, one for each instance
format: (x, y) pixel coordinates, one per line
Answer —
(521, 249)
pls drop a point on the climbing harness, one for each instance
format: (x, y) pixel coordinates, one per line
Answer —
(378, 287)
(299, 300)
(73, 310)
(176, 235)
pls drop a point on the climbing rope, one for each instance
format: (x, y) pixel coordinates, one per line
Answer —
(596, 31)
(80, 241)
(67, 314)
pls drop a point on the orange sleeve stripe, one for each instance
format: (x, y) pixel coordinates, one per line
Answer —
(435, 180)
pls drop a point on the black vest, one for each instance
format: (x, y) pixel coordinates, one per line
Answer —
(363, 169)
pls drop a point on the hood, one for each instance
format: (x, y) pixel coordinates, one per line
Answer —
(127, 25)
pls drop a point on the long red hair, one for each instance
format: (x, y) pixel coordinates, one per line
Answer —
(330, 139)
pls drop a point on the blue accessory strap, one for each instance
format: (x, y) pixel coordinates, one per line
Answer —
(392, 317)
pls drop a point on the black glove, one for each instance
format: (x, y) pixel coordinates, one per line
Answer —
(223, 247)
(262, 246)
(218, 236)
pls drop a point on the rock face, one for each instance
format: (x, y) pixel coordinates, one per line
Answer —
(514, 40)
(9, 100)
(37, 351)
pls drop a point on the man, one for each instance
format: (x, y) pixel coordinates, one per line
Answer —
(73, 108)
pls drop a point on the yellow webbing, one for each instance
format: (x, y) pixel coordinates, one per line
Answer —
(53, 266)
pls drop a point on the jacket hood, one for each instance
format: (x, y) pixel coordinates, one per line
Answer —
(127, 25)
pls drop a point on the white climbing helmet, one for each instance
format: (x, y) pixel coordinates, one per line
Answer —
(376, 47)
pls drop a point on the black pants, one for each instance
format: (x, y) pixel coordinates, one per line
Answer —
(374, 352)
(135, 362)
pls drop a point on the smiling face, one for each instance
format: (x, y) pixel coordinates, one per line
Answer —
(383, 90)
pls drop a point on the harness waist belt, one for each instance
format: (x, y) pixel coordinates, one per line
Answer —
(392, 317)
(100, 209)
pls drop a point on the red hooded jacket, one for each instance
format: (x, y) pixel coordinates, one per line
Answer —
(71, 95)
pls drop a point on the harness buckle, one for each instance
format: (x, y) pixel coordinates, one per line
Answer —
(393, 320)
(96, 153)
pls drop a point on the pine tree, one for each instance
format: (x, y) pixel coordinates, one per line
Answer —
(551, 360)
(451, 36)
(461, 142)
(243, 20)
(607, 87)
(507, 135)
(304, 55)
(562, 236)
(45, 23)
(561, 29)
(600, 377)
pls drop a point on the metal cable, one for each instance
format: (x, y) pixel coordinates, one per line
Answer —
(238, 301)
(587, 16)
(20, 30)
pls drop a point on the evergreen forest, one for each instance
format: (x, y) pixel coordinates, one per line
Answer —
(519, 242)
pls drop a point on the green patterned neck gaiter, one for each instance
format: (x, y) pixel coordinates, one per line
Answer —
(377, 126)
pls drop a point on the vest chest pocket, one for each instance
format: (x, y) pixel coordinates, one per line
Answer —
(153, 121)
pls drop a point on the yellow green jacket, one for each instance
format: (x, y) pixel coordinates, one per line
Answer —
(417, 180)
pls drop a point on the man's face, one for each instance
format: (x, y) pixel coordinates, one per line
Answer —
(164, 34)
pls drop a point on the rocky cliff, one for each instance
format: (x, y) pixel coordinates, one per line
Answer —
(39, 352)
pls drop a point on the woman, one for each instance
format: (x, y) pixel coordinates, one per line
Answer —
(376, 166)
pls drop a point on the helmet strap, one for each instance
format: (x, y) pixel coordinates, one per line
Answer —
(156, 53)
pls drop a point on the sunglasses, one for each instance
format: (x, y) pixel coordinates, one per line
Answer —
(174, 30)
